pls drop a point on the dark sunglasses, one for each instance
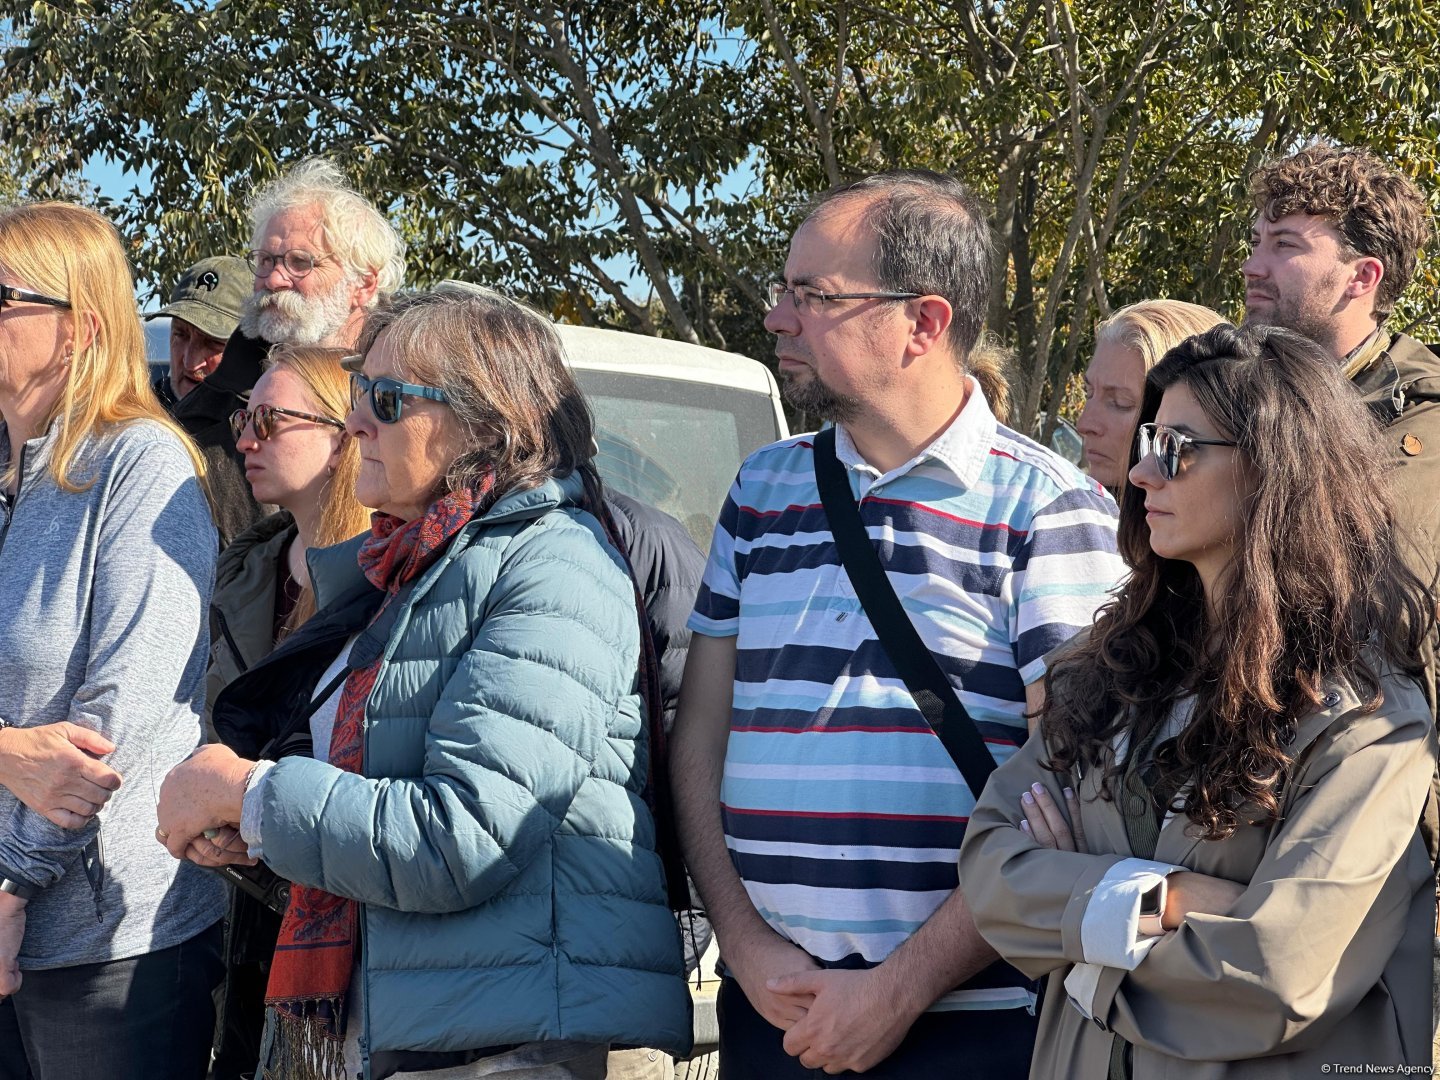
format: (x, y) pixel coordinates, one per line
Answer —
(8, 293)
(1168, 446)
(386, 395)
(263, 417)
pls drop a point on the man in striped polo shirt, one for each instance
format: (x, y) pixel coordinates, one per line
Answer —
(821, 815)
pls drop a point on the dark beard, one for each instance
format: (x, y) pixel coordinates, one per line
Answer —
(1316, 329)
(814, 398)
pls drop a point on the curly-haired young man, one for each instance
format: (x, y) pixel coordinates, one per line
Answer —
(1336, 238)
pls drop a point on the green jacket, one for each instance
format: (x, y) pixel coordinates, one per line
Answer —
(497, 839)
(242, 611)
(1402, 389)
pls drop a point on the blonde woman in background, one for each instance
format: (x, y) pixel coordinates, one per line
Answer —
(1127, 346)
(298, 457)
(107, 553)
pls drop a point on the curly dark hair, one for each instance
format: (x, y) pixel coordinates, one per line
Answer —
(1317, 590)
(1378, 211)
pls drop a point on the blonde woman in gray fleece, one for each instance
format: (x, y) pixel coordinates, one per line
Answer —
(109, 948)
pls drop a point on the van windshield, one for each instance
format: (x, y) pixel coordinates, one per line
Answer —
(675, 444)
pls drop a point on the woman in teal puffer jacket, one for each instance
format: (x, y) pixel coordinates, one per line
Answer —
(476, 886)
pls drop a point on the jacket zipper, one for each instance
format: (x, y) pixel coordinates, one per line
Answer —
(13, 501)
(1397, 398)
(93, 861)
(229, 639)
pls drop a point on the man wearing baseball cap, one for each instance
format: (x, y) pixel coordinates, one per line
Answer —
(204, 310)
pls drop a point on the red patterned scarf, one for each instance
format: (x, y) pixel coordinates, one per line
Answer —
(315, 953)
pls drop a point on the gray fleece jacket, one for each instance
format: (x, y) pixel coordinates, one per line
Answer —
(103, 624)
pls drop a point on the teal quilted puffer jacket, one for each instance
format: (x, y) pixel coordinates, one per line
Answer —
(498, 840)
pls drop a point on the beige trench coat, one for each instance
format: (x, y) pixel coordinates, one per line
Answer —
(1326, 957)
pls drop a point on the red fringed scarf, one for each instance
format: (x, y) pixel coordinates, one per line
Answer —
(315, 953)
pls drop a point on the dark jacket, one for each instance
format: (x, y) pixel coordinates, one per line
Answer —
(668, 567)
(205, 414)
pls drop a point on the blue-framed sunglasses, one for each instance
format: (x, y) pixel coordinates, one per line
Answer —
(386, 395)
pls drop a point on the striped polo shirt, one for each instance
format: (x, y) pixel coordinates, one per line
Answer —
(842, 810)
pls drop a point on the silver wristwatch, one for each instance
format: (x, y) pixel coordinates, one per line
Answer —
(18, 889)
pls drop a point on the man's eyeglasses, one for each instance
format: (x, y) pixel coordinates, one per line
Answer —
(263, 417)
(1168, 446)
(810, 299)
(386, 395)
(7, 293)
(297, 261)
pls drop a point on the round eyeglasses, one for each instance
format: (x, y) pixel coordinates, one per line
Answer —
(297, 261)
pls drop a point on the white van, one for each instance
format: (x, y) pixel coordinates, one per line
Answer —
(674, 421)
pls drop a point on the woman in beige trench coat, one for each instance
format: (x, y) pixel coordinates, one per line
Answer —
(1210, 843)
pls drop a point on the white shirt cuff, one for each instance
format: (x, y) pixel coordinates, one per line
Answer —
(1110, 929)
(250, 809)
(1081, 985)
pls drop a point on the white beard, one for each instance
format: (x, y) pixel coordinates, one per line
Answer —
(286, 316)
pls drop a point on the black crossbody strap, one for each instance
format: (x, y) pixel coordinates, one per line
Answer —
(303, 716)
(914, 661)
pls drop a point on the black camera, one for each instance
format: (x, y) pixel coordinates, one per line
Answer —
(261, 883)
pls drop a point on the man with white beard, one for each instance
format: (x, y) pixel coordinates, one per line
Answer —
(322, 256)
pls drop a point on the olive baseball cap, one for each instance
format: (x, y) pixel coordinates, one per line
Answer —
(210, 296)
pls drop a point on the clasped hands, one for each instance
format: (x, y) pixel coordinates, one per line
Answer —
(833, 1020)
(199, 809)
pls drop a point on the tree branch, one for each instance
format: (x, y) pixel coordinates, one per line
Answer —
(819, 120)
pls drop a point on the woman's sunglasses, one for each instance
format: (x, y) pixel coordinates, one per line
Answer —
(386, 395)
(263, 419)
(1168, 446)
(9, 293)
